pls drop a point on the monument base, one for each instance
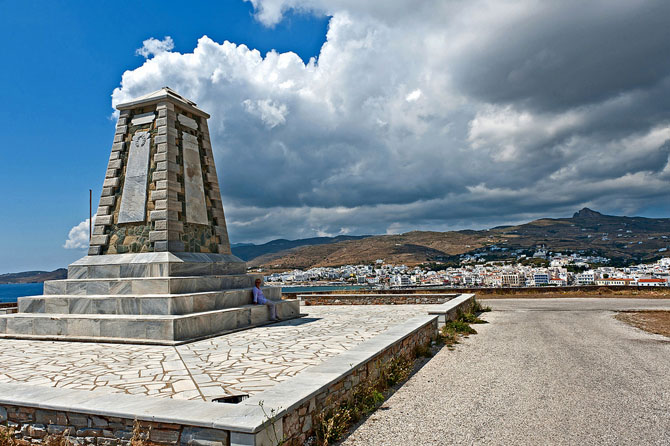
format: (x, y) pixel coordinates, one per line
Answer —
(141, 329)
(160, 298)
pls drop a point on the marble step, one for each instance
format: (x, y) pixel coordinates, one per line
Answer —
(155, 264)
(152, 304)
(149, 285)
(141, 329)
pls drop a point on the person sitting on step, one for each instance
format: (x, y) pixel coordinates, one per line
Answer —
(260, 299)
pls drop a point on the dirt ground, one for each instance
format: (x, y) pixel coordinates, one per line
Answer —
(652, 321)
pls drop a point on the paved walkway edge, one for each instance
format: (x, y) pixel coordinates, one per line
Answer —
(247, 423)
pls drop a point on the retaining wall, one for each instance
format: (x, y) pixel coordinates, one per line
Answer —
(299, 423)
(375, 299)
(33, 425)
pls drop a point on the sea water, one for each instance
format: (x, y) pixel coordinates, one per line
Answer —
(316, 289)
(9, 292)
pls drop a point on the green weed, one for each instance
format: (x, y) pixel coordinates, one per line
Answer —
(423, 351)
(332, 423)
(470, 318)
(396, 370)
(477, 307)
(458, 327)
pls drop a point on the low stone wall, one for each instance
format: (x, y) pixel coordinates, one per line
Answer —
(32, 425)
(299, 424)
(9, 310)
(8, 307)
(372, 299)
(588, 290)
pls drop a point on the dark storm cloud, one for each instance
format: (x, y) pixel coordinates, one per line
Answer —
(571, 53)
(436, 116)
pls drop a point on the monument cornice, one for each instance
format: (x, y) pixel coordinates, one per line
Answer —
(162, 95)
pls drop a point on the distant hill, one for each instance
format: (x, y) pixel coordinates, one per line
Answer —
(248, 251)
(622, 239)
(33, 276)
(410, 248)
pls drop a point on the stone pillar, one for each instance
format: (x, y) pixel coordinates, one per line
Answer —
(182, 200)
(167, 227)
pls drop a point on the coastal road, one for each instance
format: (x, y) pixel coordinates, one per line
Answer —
(542, 372)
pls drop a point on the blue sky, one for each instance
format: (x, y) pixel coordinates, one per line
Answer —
(337, 117)
(66, 58)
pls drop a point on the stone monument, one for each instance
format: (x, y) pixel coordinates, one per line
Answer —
(159, 269)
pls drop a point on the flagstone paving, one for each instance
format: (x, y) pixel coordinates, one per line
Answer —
(249, 361)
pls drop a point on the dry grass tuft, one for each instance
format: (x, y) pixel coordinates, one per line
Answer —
(139, 438)
(7, 436)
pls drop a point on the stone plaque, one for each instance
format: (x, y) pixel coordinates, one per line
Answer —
(196, 207)
(134, 195)
(188, 122)
(144, 118)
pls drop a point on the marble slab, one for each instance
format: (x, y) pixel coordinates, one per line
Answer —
(134, 195)
(196, 207)
(155, 264)
(188, 122)
(159, 329)
(187, 137)
(144, 118)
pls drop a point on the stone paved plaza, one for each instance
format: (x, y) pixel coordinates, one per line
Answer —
(249, 361)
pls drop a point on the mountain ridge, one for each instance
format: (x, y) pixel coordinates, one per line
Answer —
(621, 238)
(248, 251)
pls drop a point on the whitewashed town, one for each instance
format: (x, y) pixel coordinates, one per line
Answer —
(556, 270)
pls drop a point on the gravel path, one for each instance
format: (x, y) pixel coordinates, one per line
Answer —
(559, 371)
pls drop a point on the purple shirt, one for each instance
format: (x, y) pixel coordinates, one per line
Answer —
(259, 298)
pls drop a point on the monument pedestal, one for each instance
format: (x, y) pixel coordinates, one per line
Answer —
(159, 268)
(104, 322)
(147, 299)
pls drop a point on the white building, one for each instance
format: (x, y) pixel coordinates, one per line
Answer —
(586, 278)
(400, 280)
(540, 279)
(652, 282)
(510, 279)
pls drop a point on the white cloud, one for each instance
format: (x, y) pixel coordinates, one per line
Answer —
(413, 96)
(153, 47)
(78, 236)
(508, 123)
(267, 110)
